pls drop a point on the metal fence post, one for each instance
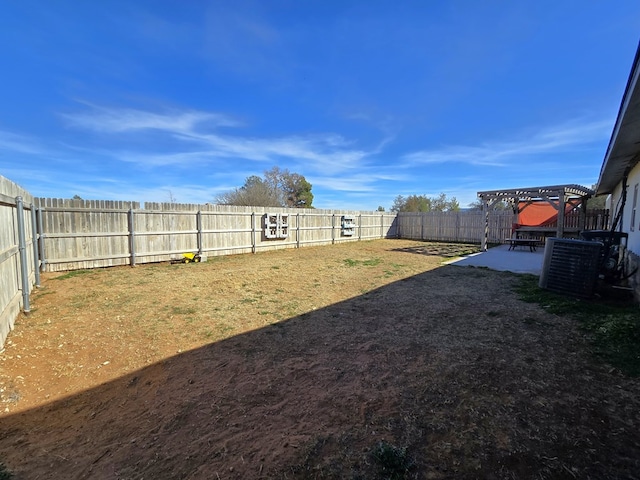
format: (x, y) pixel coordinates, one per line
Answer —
(199, 228)
(41, 236)
(132, 239)
(485, 233)
(22, 249)
(36, 256)
(333, 226)
(253, 232)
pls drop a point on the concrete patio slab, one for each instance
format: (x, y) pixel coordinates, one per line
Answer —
(519, 260)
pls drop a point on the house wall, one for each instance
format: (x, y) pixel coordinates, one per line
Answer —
(633, 263)
(630, 224)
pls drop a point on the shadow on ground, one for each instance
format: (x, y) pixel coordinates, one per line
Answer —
(446, 250)
(448, 364)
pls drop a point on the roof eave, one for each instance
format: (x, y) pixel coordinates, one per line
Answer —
(618, 158)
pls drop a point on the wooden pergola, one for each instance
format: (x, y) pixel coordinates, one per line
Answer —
(559, 196)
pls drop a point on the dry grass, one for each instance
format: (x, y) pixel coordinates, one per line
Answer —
(360, 360)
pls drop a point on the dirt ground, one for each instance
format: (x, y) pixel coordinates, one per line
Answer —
(358, 361)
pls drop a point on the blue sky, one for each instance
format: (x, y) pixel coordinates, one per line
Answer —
(149, 100)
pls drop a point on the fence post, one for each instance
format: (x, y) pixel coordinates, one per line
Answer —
(36, 256)
(298, 230)
(132, 239)
(333, 226)
(253, 232)
(485, 218)
(22, 249)
(359, 226)
(41, 235)
(382, 225)
(199, 228)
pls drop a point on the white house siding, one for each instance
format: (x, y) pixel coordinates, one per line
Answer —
(633, 229)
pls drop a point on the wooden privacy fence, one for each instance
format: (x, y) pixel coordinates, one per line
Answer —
(77, 234)
(463, 226)
(18, 253)
(468, 226)
(89, 234)
(595, 219)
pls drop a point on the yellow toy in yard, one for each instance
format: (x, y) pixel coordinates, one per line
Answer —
(188, 258)
(191, 257)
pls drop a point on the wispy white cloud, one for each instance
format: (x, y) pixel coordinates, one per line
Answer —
(110, 120)
(360, 182)
(166, 145)
(153, 160)
(330, 153)
(12, 142)
(159, 188)
(182, 193)
(574, 136)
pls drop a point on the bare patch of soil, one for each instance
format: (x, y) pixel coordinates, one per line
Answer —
(359, 360)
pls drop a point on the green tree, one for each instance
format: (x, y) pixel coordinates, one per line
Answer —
(443, 204)
(254, 193)
(412, 203)
(278, 188)
(296, 190)
(398, 203)
(422, 203)
(596, 203)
